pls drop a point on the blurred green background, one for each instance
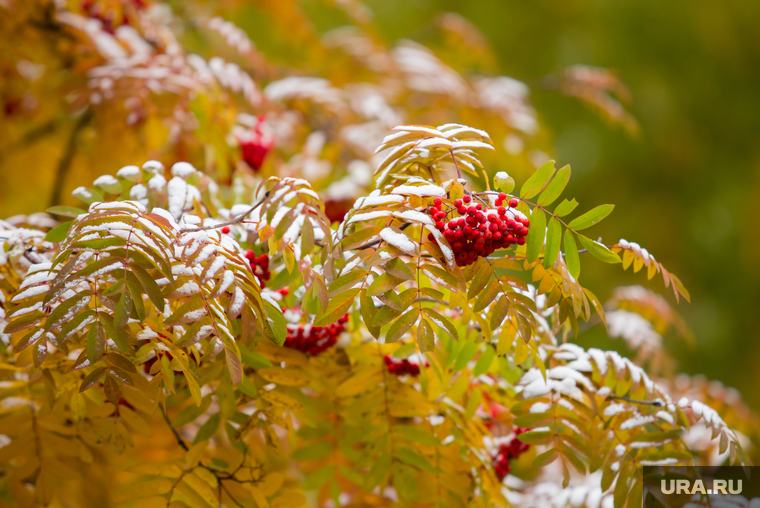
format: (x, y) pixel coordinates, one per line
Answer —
(686, 186)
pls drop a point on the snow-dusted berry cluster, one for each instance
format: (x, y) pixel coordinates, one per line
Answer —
(259, 266)
(479, 231)
(314, 339)
(508, 451)
(400, 367)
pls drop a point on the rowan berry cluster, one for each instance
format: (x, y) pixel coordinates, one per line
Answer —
(507, 452)
(479, 231)
(255, 145)
(259, 266)
(400, 367)
(314, 339)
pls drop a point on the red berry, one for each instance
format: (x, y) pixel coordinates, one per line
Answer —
(438, 201)
(226, 230)
(467, 199)
(457, 203)
(513, 203)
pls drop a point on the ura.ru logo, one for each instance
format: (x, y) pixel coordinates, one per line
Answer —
(698, 487)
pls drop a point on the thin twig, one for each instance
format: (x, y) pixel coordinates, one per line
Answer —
(180, 441)
(238, 219)
(655, 403)
(68, 155)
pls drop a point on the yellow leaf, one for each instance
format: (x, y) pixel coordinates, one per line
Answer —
(135, 421)
(149, 502)
(284, 400)
(202, 487)
(194, 453)
(285, 377)
(271, 483)
(166, 470)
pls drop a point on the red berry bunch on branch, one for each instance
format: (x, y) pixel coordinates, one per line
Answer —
(255, 145)
(259, 266)
(400, 367)
(507, 452)
(479, 231)
(314, 339)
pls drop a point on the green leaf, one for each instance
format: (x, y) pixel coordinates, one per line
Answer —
(536, 234)
(123, 310)
(536, 437)
(337, 308)
(208, 429)
(89, 196)
(66, 211)
(593, 216)
(378, 471)
(402, 325)
(346, 280)
(149, 284)
(180, 316)
(425, 336)
(555, 188)
(533, 420)
(99, 244)
(383, 284)
(545, 458)
(499, 312)
(63, 312)
(58, 233)
(415, 435)
(538, 180)
(234, 367)
(318, 478)
(441, 322)
(565, 207)
(92, 378)
(314, 451)
(571, 255)
(191, 412)
(368, 312)
(198, 331)
(479, 281)
(623, 484)
(466, 353)
(490, 292)
(599, 251)
(399, 269)
(553, 242)
(360, 237)
(254, 359)
(96, 343)
(119, 336)
(136, 292)
(307, 238)
(413, 458)
(275, 323)
(110, 187)
(485, 361)
(25, 321)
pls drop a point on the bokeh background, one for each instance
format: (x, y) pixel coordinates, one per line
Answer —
(686, 183)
